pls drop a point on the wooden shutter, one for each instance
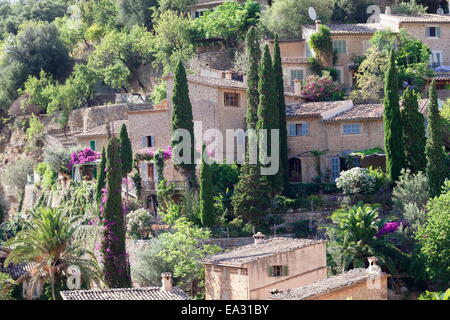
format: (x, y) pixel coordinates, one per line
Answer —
(438, 32)
(270, 271)
(143, 141)
(285, 270)
(92, 144)
(152, 141)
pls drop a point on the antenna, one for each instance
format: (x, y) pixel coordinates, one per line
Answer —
(312, 13)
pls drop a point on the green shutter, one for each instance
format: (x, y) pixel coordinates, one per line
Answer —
(92, 144)
(270, 271)
(285, 271)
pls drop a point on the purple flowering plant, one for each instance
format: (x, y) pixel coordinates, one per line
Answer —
(84, 156)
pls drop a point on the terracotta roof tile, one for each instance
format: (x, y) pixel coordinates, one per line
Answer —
(252, 252)
(312, 109)
(152, 293)
(372, 111)
(217, 82)
(422, 18)
(350, 28)
(326, 285)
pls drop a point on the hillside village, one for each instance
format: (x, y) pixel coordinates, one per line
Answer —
(224, 150)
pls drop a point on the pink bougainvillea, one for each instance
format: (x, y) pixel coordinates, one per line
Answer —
(84, 156)
(150, 153)
(323, 88)
(389, 227)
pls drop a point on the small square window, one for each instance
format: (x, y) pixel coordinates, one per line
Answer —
(352, 128)
(433, 32)
(339, 46)
(148, 142)
(296, 75)
(231, 99)
(277, 271)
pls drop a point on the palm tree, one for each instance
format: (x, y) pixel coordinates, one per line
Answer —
(357, 231)
(47, 244)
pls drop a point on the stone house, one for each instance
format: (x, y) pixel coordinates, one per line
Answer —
(97, 137)
(251, 272)
(356, 284)
(198, 9)
(336, 129)
(352, 40)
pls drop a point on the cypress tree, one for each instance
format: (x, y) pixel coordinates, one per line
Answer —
(250, 198)
(268, 113)
(126, 152)
(436, 169)
(182, 119)
(101, 179)
(279, 87)
(253, 54)
(115, 261)
(413, 132)
(393, 133)
(207, 210)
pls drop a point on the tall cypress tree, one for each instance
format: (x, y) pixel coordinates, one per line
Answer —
(413, 132)
(115, 261)
(182, 119)
(253, 54)
(207, 210)
(436, 169)
(393, 133)
(101, 179)
(268, 113)
(279, 87)
(126, 152)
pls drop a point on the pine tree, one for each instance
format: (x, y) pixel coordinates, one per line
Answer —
(436, 169)
(207, 210)
(393, 133)
(279, 87)
(253, 54)
(101, 179)
(413, 132)
(126, 152)
(115, 261)
(182, 119)
(250, 198)
(268, 113)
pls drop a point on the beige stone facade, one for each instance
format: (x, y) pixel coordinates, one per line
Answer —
(252, 272)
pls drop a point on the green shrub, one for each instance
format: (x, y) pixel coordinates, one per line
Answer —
(410, 189)
(7, 285)
(15, 175)
(284, 203)
(379, 176)
(427, 295)
(303, 190)
(138, 224)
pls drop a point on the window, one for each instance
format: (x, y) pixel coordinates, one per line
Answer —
(298, 129)
(278, 271)
(340, 74)
(433, 32)
(308, 51)
(231, 99)
(340, 46)
(335, 169)
(435, 59)
(148, 141)
(92, 145)
(354, 128)
(199, 13)
(296, 74)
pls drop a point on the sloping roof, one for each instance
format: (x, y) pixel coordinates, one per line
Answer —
(217, 82)
(372, 111)
(349, 28)
(312, 109)
(326, 285)
(245, 254)
(206, 3)
(17, 270)
(151, 293)
(101, 130)
(420, 18)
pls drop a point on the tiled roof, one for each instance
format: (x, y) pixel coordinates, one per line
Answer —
(326, 285)
(350, 28)
(217, 82)
(372, 111)
(17, 270)
(101, 130)
(152, 293)
(252, 252)
(312, 109)
(422, 18)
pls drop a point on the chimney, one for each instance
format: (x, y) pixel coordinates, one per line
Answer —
(228, 75)
(259, 237)
(387, 10)
(318, 22)
(297, 87)
(373, 267)
(166, 278)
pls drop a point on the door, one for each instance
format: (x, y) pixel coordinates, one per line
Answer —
(295, 170)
